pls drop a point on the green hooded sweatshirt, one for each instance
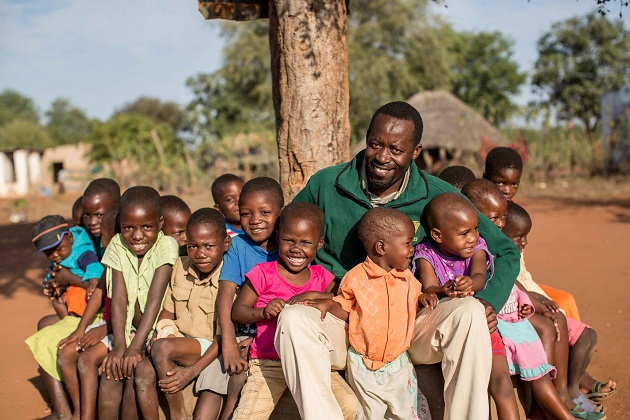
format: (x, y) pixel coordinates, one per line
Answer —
(337, 191)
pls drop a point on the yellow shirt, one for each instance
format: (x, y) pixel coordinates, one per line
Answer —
(193, 301)
(382, 307)
(138, 279)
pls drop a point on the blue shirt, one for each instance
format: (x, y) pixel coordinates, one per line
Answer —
(232, 231)
(82, 260)
(243, 255)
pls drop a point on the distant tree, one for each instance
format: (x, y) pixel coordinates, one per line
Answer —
(138, 150)
(67, 124)
(23, 134)
(14, 105)
(169, 113)
(484, 73)
(580, 59)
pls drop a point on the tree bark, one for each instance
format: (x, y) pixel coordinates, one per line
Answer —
(309, 67)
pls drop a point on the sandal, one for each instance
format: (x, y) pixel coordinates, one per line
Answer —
(588, 405)
(579, 413)
(597, 394)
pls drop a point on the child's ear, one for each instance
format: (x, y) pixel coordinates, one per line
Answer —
(436, 235)
(161, 223)
(70, 238)
(216, 206)
(379, 247)
(320, 244)
(227, 244)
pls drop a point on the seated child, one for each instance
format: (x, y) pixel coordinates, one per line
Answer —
(82, 352)
(226, 191)
(176, 214)
(443, 260)
(74, 265)
(140, 262)
(260, 203)
(268, 288)
(487, 197)
(504, 167)
(186, 344)
(77, 211)
(457, 176)
(380, 298)
(99, 196)
(582, 339)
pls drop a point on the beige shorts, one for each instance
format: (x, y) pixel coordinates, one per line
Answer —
(214, 377)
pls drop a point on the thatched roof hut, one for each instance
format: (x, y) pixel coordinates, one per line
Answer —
(451, 129)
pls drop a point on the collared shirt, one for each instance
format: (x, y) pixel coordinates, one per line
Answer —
(375, 200)
(193, 301)
(382, 307)
(138, 279)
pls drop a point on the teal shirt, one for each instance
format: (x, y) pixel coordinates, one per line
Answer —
(337, 191)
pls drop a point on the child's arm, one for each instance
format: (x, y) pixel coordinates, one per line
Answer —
(244, 312)
(180, 376)
(426, 274)
(312, 295)
(92, 307)
(233, 362)
(112, 362)
(133, 354)
(64, 277)
(327, 306)
(478, 270)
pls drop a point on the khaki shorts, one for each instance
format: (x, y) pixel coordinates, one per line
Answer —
(214, 377)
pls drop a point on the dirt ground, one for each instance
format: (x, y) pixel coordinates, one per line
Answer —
(579, 243)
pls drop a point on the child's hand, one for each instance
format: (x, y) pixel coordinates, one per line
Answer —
(72, 338)
(525, 310)
(428, 300)
(176, 379)
(130, 359)
(552, 317)
(234, 361)
(62, 276)
(450, 290)
(92, 337)
(550, 305)
(322, 305)
(463, 285)
(112, 364)
(273, 308)
(92, 283)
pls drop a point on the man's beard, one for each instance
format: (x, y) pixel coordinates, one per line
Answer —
(378, 185)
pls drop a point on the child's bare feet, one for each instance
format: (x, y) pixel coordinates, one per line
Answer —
(597, 390)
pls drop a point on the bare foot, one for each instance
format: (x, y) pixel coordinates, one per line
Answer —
(587, 386)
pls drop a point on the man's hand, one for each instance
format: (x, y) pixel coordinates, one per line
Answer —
(491, 316)
(428, 300)
(176, 379)
(273, 308)
(550, 305)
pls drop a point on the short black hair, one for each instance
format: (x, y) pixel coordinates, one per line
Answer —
(143, 197)
(208, 217)
(263, 184)
(303, 211)
(402, 111)
(173, 204)
(479, 190)
(380, 223)
(221, 181)
(501, 158)
(103, 186)
(457, 176)
(515, 214)
(443, 205)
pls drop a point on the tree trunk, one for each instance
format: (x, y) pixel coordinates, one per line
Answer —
(309, 67)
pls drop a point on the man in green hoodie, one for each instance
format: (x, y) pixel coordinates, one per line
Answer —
(455, 333)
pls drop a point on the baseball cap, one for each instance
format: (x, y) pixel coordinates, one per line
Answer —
(49, 232)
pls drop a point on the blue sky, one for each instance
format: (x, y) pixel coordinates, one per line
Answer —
(101, 55)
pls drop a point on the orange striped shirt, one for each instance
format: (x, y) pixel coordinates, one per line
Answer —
(382, 307)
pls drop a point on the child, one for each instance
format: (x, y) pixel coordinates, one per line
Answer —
(140, 262)
(226, 191)
(504, 167)
(83, 351)
(457, 176)
(455, 255)
(186, 328)
(581, 337)
(176, 214)
(99, 196)
(77, 211)
(259, 205)
(489, 200)
(380, 297)
(271, 285)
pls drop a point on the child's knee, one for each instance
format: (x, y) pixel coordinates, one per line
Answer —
(66, 356)
(144, 374)
(161, 349)
(588, 338)
(562, 321)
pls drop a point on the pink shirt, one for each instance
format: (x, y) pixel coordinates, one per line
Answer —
(269, 284)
